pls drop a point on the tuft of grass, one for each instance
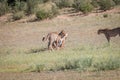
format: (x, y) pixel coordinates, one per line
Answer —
(36, 68)
(109, 64)
(79, 64)
(105, 15)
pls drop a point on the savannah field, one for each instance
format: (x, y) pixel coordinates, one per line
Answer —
(86, 56)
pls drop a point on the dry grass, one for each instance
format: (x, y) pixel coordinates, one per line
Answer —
(60, 75)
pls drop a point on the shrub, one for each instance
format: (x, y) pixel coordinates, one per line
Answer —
(20, 6)
(18, 15)
(106, 4)
(32, 6)
(64, 3)
(4, 8)
(83, 5)
(54, 12)
(117, 2)
(95, 3)
(41, 15)
(47, 10)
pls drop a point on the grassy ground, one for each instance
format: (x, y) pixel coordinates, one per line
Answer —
(21, 48)
(63, 75)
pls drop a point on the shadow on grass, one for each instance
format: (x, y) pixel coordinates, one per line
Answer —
(37, 50)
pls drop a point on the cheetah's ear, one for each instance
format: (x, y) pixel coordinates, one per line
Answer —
(66, 34)
(43, 39)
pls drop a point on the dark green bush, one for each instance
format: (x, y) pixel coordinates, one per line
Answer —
(54, 12)
(32, 5)
(117, 2)
(4, 8)
(83, 5)
(20, 6)
(18, 15)
(42, 15)
(47, 10)
(95, 3)
(64, 3)
(106, 4)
